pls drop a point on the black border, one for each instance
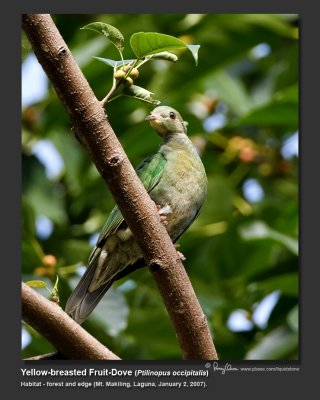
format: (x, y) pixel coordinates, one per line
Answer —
(292, 385)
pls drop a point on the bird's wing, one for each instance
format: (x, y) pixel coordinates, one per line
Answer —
(149, 171)
(113, 222)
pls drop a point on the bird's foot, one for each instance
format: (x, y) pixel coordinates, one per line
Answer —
(163, 212)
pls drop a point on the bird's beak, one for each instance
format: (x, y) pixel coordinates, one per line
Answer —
(151, 117)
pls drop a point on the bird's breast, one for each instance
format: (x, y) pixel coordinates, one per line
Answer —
(182, 187)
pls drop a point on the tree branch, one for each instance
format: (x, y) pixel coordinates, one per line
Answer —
(48, 356)
(63, 332)
(94, 131)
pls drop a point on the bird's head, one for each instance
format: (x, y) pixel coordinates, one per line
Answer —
(166, 120)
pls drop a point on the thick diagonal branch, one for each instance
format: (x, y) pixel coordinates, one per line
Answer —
(94, 131)
(67, 336)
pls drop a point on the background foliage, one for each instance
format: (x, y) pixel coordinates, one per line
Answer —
(241, 103)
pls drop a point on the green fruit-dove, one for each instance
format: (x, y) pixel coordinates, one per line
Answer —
(176, 181)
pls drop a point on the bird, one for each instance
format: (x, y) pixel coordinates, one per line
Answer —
(176, 181)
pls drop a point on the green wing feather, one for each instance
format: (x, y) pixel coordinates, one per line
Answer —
(149, 171)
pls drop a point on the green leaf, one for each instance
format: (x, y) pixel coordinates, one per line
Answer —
(74, 250)
(36, 284)
(274, 22)
(288, 284)
(114, 63)
(141, 94)
(108, 31)
(293, 319)
(230, 90)
(84, 52)
(218, 205)
(55, 290)
(194, 48)
(112, 312)
(32, 255)
(274, 114)
(43, 194)
(281, 110)
(259, 230)
(146, 43)
(278, 344)
(28, 220)
(288, 95)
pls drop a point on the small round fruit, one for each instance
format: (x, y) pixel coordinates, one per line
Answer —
(119, 74)
(134, 73)
(247, 154)
(49, 261)
(128, 82)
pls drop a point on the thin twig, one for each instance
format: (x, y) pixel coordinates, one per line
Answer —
(49, 356)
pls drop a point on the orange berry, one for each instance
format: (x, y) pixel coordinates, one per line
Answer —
(247, 154)
(49, 261)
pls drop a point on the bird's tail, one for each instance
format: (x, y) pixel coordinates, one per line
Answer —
(82, 302)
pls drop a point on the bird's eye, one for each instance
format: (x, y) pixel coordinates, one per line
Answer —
(172, 115)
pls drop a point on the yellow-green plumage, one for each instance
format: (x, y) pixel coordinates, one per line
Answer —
(176, 181)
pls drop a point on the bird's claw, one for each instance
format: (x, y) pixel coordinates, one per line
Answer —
(163, 220)
(163, 212)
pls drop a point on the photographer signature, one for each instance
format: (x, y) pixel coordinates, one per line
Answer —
(226, 368)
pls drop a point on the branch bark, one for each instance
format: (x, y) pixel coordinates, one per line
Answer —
(95, 133)
(63, 332)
